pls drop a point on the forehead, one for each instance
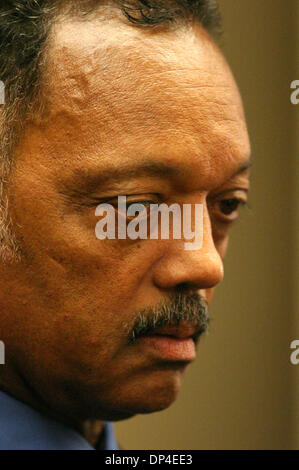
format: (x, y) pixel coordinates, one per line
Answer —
(133, 92)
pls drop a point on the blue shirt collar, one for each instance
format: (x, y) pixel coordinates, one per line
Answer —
(23, 428)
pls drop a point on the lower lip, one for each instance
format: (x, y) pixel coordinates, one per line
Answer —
(171, 348)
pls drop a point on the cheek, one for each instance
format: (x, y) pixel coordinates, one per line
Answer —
(66, 266)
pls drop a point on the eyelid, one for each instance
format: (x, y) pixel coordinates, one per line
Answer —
(138, 198)
(144, 200)
(231, 194)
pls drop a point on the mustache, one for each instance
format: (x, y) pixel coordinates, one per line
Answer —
(182, 308)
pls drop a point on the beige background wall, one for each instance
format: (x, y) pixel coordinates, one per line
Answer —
(241, 392)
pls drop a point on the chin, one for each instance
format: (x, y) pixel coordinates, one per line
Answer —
(125, 395)
(131, 408)
(141, 398)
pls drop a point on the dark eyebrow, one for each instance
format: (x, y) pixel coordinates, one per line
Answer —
(85, 181)
(88, 180)
(143, 168)
(135, 170)
(243, 167)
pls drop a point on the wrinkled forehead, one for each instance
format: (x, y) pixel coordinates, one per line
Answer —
(111, 60)
(159, 87)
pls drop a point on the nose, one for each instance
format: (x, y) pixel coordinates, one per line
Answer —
(199, 269)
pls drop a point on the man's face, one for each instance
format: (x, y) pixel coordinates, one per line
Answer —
(152, 115)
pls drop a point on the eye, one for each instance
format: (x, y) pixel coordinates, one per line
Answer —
(229, 208)
(226, 209)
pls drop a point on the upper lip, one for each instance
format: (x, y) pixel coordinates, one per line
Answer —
(180, 331)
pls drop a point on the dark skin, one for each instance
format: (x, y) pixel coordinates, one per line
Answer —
(153, 98)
